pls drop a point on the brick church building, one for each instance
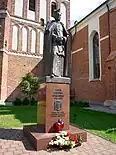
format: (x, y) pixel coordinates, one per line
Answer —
(94, 54)
(22, 25)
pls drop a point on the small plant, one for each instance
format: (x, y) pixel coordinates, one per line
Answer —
(79, 103)
(29, 86)
(17, 102)
(33, 101)
(26, 101)
(64, 140)
(111, 130)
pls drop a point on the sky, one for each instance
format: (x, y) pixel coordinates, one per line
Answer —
(80, 8)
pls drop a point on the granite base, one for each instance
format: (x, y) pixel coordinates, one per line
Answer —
(40, 140)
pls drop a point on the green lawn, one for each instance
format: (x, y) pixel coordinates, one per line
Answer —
(17, 116)
(95, 122)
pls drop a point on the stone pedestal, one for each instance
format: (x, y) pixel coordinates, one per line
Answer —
(40, 140)
(54, 100)
(53, 104)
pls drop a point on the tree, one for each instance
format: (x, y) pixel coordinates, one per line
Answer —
(30, 85)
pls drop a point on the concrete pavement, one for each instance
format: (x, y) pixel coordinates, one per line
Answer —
(13, 142)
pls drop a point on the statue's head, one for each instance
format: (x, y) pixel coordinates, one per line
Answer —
(57, 15)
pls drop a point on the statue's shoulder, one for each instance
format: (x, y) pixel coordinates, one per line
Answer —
(49, 24)
(62, 24)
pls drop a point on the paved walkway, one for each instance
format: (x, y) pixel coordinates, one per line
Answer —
(12, 142)
(98, 107)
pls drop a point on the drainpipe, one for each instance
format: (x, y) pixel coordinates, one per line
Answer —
(75, 27)
(109, 33)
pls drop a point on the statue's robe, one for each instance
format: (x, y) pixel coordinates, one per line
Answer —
(52, 58)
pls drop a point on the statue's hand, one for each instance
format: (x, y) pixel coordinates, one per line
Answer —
(59, 40)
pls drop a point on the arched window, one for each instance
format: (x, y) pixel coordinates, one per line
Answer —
(63, 11)
(41, 42)
(24, 39)
(33, 41)
(15, 38)
(19, 8)
(96, 61)
(53, 7)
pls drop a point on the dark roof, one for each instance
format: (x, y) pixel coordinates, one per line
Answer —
(90, 13)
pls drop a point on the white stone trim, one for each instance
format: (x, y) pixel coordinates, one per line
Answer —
(66, 1)
(78, 50)
(43, 10)
(22, 20)
(18, 9)
(20, 54)
(103, 38)
(93, 26)
(15, 37)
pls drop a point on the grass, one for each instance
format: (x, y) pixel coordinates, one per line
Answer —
(100, 123)
(17, 116)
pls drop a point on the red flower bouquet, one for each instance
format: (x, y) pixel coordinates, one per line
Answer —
(64, 140)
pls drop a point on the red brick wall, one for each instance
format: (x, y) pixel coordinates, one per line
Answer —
(96, 90)
(3, 4)
(111, 79)
(7, 33)
(110, 67)
(14, 67)
(103, 25)
(1, 58)
(80, 66)
(4, 76)
(18, 67)
(113, 29)
(68, 15)
(2, 24)
(84, 89)
(104, 31)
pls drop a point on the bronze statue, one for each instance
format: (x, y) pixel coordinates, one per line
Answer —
(55, 47)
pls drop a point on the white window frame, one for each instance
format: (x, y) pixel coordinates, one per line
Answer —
(15, 38)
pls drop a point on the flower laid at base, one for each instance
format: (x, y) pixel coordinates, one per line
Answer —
(64, 140)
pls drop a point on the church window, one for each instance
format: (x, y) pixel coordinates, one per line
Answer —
(33, 41)
(31, 10)
(15, 38)
(53, 7)
(24, 39)
(96, 61)
(32, 5)
(19, 8)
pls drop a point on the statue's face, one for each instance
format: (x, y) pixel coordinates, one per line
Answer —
(57, 16)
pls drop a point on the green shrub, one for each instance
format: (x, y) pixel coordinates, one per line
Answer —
(111, 130)
(79, 103)
(25, 101)
(33, 101)
(17, 101)
(29, 87)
